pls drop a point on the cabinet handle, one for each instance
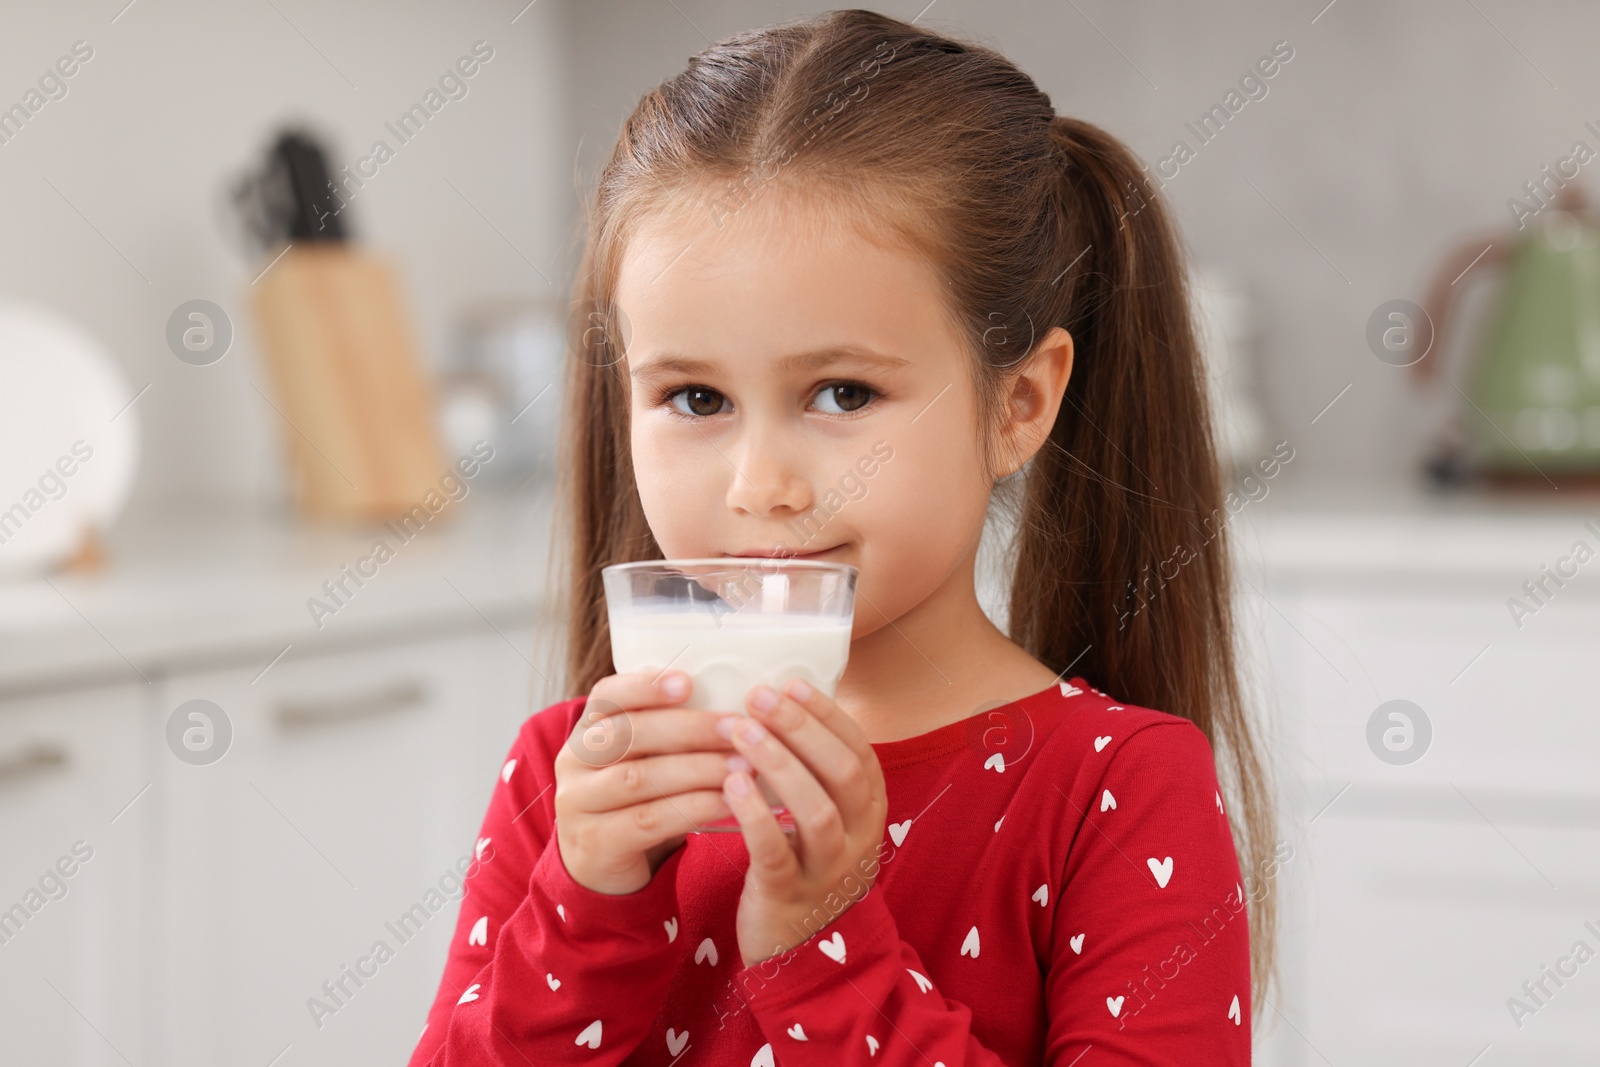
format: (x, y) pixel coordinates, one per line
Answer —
(311, 714)
(31, 759)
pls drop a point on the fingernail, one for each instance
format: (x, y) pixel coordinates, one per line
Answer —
(738, 763)
(675, 685)
(764, 697)
(738, 784)
(752, 731)
(725, 726)
(799, 689)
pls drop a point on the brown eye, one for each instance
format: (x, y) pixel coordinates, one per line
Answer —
(701, 402)
(846, 396)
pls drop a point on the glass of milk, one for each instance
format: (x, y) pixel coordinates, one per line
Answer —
(732, 623)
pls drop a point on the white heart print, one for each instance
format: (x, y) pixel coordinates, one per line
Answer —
(898, 831)
(676, 1040)
(1107, 800)
(923, 983)
(833, 947)
(552, 981)
(1115, 1006)
(1101, 742)
(1069, 690)
(706, 951)
(1042, 894)
(561, 910)
(798, 1032)
(672, 928)
(589, 1035)
(969, 947)
(1233, 1010)
(505, 772)
(872, 1045)
(471, 994)
(763, 1056)
(1077, 944)
(1162, 870)
(480, 932)
(996, 763)
(997, 823)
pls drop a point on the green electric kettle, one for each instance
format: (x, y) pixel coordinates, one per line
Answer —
(1535, 378)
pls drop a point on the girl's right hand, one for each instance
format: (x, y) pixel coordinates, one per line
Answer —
(630, 786)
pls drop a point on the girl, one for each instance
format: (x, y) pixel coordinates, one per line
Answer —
(849, 280)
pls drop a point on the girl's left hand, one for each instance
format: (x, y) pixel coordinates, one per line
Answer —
(822, 768)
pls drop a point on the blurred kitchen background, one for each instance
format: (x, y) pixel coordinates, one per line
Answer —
(1400, 287)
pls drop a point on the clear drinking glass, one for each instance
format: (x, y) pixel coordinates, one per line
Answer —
(731, 623)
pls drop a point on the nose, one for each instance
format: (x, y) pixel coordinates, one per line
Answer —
(768, 477)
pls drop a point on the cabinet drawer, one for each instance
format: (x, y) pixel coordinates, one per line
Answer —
(74, 823)
(1510, 710)
(1416, 934)
(351, 785)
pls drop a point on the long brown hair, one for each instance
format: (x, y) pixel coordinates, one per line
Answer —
(1032, 220)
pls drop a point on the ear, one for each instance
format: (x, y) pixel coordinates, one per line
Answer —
(1033, 397)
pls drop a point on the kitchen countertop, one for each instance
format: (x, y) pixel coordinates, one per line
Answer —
(1361, 533)
(198, 589)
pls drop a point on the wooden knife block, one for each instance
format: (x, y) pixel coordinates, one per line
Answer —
(359, 412)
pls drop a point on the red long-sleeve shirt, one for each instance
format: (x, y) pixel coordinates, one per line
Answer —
(1057, 876)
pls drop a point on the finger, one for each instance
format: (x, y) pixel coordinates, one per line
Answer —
(826, 755)
(816, 816)
(827, 712)
(772, 857)
(639, 689)
(661, 730)
(600, 740)
(599, 737)
(635, 781)
(642, 826)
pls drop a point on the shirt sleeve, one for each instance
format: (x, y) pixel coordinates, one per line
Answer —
(1150, 941)
(856, 989)
(1148, 871)
(538, 961)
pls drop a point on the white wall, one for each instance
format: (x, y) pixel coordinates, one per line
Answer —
(179, 97)
(1395, 130)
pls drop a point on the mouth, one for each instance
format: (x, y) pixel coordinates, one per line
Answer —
(785, 554)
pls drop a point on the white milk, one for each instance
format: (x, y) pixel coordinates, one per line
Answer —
(727, 655)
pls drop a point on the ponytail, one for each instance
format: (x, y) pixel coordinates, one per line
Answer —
(1121, 573)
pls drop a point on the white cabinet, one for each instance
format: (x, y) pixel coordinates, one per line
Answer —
(1424, 895)
(220, 897)
(353, 784)
(74, 825)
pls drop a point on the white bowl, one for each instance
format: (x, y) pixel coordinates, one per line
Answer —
(69, 441)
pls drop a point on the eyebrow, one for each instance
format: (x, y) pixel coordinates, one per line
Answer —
(673, 363)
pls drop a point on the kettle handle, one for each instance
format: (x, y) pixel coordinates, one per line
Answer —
(1442, 293)
(1570, 199)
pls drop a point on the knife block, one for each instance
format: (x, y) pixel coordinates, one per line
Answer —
(357, 409)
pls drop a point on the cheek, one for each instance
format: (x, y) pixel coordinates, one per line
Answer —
(681, 494)
(921, 516)
(925, 517)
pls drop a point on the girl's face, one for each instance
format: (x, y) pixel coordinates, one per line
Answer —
(798, 390)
